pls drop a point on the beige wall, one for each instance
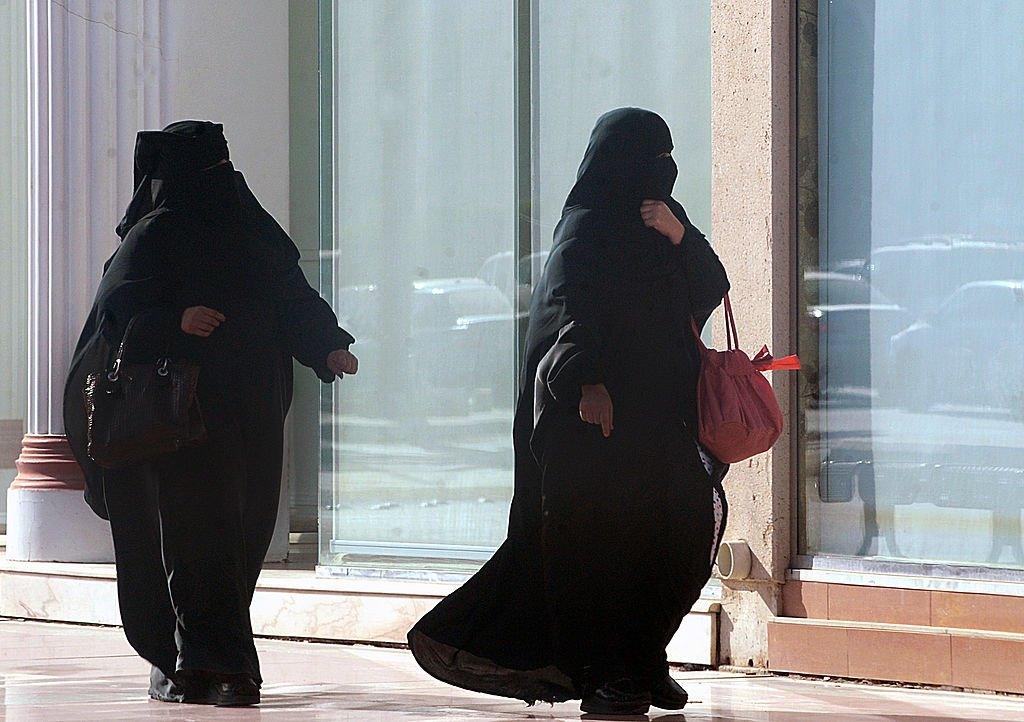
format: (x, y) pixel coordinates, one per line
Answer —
(750, 211)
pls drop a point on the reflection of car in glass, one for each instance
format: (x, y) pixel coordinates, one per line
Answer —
(919, 274)
(850, 318)
(499, 270)
(459, 344)
(966, 352)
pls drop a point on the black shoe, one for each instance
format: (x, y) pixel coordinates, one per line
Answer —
(667, 694)
(185, 687)
(234, 691)
(167, 689)
(623, 696)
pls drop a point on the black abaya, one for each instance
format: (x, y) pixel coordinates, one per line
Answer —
(610, 539)
(191, 528)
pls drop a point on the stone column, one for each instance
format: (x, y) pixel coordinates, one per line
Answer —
(13, 222)
(94, 79)
(751, 149)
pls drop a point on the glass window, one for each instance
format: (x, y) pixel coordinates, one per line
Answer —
(418, 444)
(912, 246)
(13, 240)
(433, 231)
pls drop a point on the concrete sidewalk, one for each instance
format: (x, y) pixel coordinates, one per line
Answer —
(71, 673)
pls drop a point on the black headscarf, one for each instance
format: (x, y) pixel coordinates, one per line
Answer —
(186, 162)
(606, 241)
(622, 166)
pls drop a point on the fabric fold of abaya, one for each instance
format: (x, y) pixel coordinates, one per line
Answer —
(610, 540)
(191, 528)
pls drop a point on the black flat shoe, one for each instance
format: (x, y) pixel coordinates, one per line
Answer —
(164, 689)
(234, 692)
(667, 694)
(186, 687)
(621, 697)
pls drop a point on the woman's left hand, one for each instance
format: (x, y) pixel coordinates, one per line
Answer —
(342, 361)
(660, 217)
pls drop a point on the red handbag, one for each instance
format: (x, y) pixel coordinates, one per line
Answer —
(738, 415)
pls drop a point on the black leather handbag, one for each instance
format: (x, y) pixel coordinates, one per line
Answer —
(138, 412)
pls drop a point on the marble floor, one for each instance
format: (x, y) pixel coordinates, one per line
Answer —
(76, 674)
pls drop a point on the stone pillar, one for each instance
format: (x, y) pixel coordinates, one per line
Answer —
(13, 221)
(751, 147)
(94, 79)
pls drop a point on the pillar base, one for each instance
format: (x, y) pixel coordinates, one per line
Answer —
(47, 517)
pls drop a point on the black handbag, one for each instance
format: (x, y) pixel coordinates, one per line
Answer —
(138, 412)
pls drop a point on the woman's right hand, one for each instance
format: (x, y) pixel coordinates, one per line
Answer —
(596, 407)
(200, 320)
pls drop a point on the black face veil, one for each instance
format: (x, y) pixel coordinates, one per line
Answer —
(185, 163)
(622, 167)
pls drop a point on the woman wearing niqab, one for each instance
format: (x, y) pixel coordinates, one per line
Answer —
(209, 276)
(617, 511)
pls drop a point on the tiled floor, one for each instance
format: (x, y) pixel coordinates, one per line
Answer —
(75, 674)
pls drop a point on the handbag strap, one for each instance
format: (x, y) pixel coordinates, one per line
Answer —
(732, 338)
(114, 372)
(730, 321)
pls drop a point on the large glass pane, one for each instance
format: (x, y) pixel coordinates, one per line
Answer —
(13, 240)
(419, 447)
(913, 280)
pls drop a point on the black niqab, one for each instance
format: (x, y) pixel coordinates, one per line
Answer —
(173, 166)
(623, 164)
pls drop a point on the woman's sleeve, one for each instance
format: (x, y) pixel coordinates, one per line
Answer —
(137, 284)
(308, 324)
(577, 356)
(705, 275)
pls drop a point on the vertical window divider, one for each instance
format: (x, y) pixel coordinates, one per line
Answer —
(325, 172)
(526, 121)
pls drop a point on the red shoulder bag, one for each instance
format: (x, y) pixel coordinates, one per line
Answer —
(737, 412)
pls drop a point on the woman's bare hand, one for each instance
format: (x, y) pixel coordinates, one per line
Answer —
(660, 217)
(342, 361)
(200, 320)
(596, 407)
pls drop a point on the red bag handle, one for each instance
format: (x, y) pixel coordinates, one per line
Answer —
(763, 361)
(733, 341)
(732, 338)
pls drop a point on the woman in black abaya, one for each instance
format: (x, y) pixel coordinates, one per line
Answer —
(208, 275)
(617, 511)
